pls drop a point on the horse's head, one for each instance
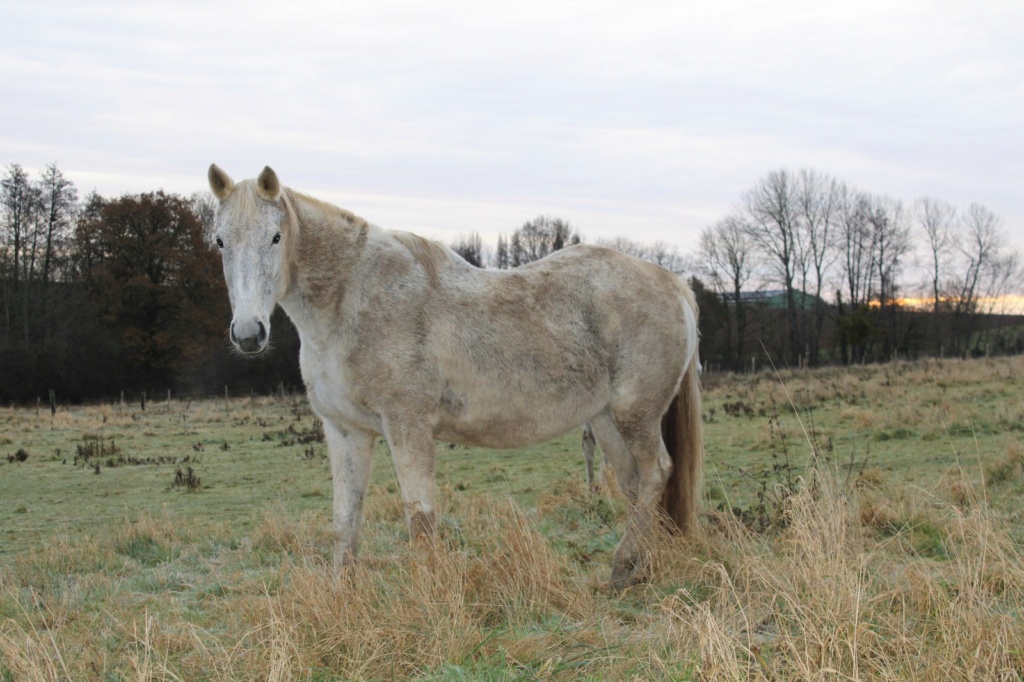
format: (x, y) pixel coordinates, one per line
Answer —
(251, 231)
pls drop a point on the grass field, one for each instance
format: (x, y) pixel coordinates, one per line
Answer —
(859, 523)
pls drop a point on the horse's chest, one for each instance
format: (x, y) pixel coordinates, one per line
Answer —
(331, 392)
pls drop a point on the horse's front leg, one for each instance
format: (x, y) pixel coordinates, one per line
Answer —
(412, 449)
(351, 455)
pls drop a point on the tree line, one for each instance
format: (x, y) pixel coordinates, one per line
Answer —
(106, 295)
(862, 276)
(103, 296)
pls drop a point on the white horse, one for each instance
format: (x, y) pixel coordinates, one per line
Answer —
(402, 338)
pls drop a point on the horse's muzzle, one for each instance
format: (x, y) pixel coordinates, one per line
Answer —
(249, 338)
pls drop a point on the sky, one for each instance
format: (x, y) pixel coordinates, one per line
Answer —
(644, 119)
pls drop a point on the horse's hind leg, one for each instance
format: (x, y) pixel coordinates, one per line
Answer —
(351, 455)
(653, 466)
(589, 445)
(412, 450)
(616, 453)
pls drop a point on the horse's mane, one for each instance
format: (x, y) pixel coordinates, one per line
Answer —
(431, 255)
(326, 207)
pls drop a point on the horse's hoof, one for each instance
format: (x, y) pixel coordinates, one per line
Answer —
(627, 572)
(624, 582)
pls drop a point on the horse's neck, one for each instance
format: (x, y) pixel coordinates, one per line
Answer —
(328, 246)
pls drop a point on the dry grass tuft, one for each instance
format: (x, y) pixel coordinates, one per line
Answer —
(830, 596)
(306, 539)
(409, 613)
(1008, 469)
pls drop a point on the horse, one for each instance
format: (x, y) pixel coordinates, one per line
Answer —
(402, 338)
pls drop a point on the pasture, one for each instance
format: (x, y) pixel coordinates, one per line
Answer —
(860, 523)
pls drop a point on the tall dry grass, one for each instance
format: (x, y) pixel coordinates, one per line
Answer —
(841, 593)
(836, 597)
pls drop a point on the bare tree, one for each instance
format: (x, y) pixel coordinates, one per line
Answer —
(727, 254)
(1005, 276)
(502, 261)
(204, 205)
(979, 246)
(855, 244)
(60, 206)
(936, 219)
(771, 220)
(980, 269)
(21, 205)
(59, 198)
(818, 199)
(471, 248)
(890, 244)
(659, 253)
(538, 238)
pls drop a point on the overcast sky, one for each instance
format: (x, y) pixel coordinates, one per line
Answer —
(639, 119)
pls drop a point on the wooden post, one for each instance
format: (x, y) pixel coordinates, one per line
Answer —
(143, 401)
(53, 403)
(225, 399)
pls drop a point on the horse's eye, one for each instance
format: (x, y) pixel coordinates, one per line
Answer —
(277, 238)
(220, 244)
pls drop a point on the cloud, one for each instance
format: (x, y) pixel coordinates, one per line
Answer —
(654, 112)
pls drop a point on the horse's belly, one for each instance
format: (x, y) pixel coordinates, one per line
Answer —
(508, 428)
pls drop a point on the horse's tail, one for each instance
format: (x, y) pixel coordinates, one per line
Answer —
(682, 431)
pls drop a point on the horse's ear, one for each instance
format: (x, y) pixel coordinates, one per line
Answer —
(220, 183)
(268, 184)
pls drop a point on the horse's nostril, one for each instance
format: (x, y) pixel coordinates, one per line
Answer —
(249, 340)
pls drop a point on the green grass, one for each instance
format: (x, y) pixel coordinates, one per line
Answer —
(890, 418)
(244, 465)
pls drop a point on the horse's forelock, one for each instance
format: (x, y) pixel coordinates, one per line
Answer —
(245, 203)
